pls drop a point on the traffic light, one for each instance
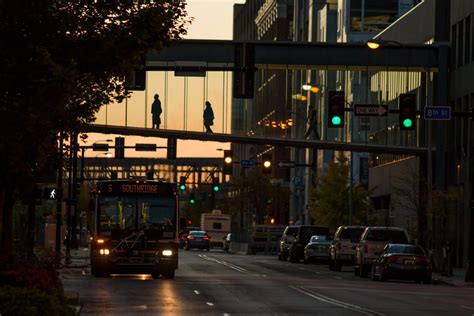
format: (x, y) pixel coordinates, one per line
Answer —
(244, 78)
(119, 147)
(228, 162)
(267, 163)
(182, 183)
(336, 109)
(150, 174)
(407, 114)
(192, 199)
(215, 185)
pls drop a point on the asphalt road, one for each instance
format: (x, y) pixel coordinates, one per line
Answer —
(217, 283)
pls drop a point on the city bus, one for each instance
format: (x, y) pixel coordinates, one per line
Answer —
(135, 228)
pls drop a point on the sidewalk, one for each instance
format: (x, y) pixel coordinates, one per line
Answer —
(456, 280)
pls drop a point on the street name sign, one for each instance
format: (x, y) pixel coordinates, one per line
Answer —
(437, 113)
(285, 164)
(371, 110)
(248, 163)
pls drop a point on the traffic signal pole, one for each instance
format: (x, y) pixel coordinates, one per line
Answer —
(59, 201)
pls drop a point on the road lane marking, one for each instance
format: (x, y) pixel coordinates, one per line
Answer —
(467, 307)
(335, 302)
(196, 292)
(209, 303)
(229, 265)
(337, 277)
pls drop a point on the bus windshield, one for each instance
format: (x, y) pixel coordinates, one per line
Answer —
(137, 212)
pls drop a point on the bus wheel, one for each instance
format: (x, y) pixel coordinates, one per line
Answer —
(168, 274)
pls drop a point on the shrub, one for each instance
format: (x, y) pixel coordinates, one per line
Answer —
(30, 301)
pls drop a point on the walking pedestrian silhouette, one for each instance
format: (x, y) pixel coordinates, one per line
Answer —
(208, 117)
(156, 112)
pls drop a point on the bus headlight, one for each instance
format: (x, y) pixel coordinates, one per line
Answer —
(167, 253)
(104, 252)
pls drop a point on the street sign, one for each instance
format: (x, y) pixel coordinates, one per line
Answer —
(437, 113)
(371, 110)
(285, 164)
(248, 163)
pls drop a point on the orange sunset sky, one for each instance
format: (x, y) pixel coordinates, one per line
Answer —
(212, 20)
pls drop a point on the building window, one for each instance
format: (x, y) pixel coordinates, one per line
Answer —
(460, 43)
(468, 40)
(379, 14)
(453, 46)
(356, 15)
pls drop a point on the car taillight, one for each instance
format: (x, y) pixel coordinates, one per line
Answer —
(423, 260)
(393, 258)
(191, 238)
(182, 237)
(205, 238)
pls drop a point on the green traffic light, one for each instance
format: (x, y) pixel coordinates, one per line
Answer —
(182, 187)
(215, 188)
(407, 123)
(336, 120)
(192, 201)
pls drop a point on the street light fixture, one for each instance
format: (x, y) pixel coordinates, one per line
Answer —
(315, 88)
(375, 43)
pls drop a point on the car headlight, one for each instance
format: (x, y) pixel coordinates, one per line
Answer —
(167, 253)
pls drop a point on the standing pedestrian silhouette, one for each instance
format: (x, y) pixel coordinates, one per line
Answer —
(312, 123)
(156, 112)
(208, 117)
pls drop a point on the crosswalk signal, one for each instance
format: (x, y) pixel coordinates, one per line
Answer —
(192, 199)
(119, 147)
(267, 163)
(182, 183)
(336, 109)
(228, 162)
(215, 185)
(407, 108)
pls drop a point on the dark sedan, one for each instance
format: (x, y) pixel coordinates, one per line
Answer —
(317, 248)
(198, 239)
(402, 261)
(184, 234)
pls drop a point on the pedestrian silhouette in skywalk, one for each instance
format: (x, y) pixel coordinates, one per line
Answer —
(156, 112)
(312, 123)
(208, 117)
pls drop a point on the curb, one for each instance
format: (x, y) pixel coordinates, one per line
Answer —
(73, 301)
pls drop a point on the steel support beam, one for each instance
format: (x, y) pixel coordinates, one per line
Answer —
(225, 138)
(218, 55)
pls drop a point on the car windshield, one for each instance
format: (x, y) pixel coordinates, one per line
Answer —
(351, 233)
(388, 235)
(408, 249)
(197, 233)
(320, 238)
(307, 232)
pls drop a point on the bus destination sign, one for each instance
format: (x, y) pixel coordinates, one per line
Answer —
(134, 188)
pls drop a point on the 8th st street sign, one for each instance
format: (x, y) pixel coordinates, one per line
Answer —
(371, 110)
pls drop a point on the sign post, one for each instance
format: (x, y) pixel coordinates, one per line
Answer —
(248, 163)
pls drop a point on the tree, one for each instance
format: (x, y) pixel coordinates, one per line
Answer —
(60, 61)
(330, 199)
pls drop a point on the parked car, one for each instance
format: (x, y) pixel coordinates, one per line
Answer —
(402, 261)
(184, 233)
(285, 241)
(317, 248)
(198, 239)
(301, 238)
(342, 249)
(371, 244)
(226, 242)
